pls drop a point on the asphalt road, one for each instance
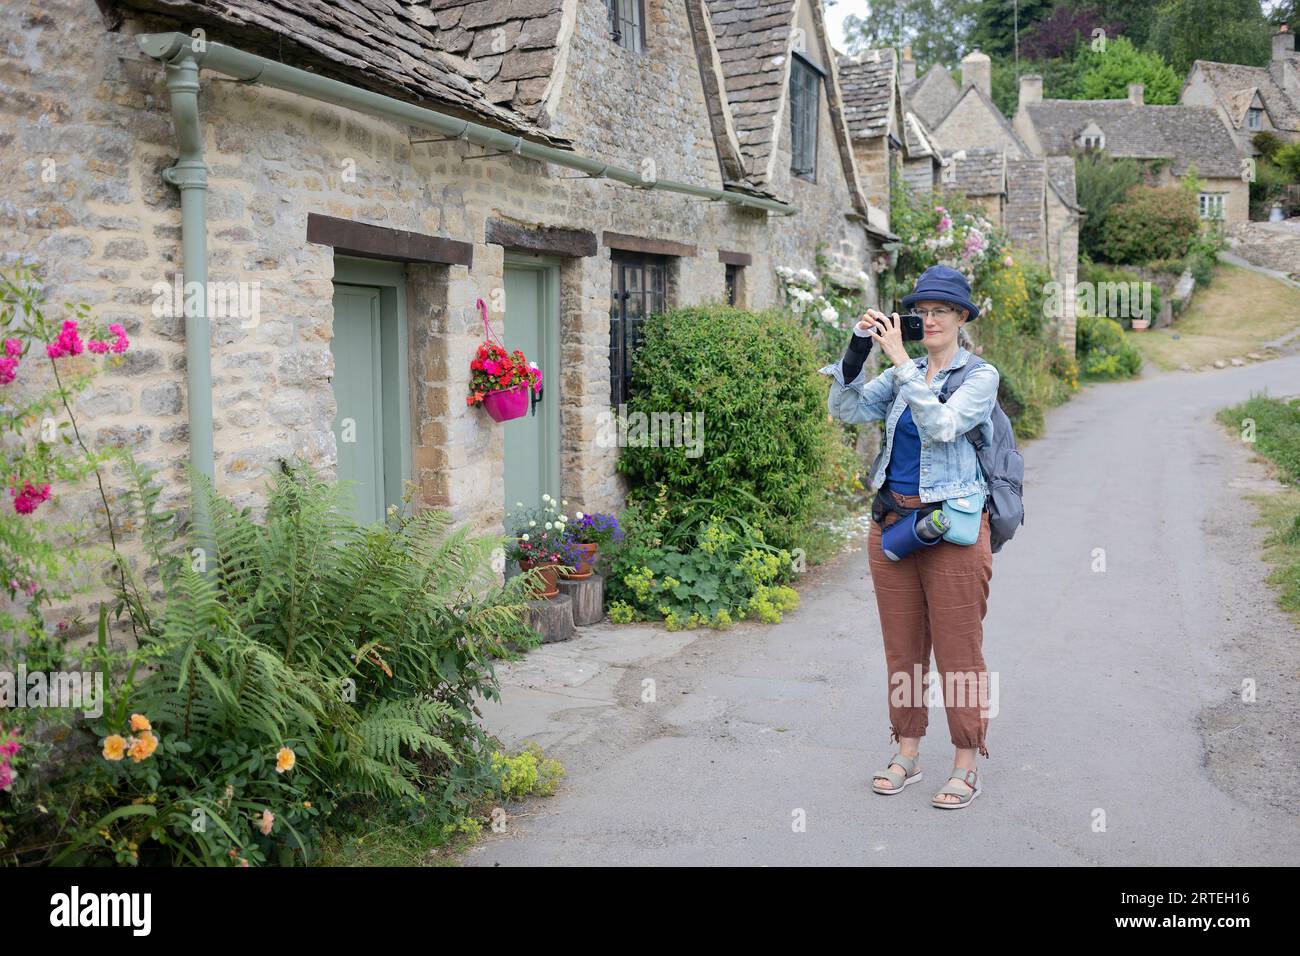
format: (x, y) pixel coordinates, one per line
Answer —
(1121, 739)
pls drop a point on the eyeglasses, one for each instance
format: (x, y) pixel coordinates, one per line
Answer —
(940, 313)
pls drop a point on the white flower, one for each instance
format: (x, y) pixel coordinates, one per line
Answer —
(546, 497)
(579, 515)
(829, 314)
(548, 526)
(807, 276)
(863, 277)
(519, 504)
(784, 271)
(524, 536)
(565, 501)
(532, 524)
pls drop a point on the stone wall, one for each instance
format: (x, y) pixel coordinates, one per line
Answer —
(106, 230)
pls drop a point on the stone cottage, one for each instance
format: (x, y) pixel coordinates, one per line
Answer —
(1251, 99)
(354, 175)
(939, 137)
(1183, 136)
(888, 139)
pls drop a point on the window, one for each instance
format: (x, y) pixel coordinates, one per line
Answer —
(627, 23)
(805, 89)
(1254, 118)
(733, 283)
(636, 291)
(1212, 205)
(1091, 137)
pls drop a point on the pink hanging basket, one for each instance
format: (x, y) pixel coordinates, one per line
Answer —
(507, 403)
(503, 404)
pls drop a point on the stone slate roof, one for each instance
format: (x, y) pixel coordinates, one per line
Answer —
(918, 138)
(977, 172)
(1187, 135)
(1231, 81)
(1060, 176)
(1026, 186)
(434, 50)
(932, 95)
(867, 84)
(752, 38)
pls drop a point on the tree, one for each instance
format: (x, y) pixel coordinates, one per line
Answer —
(997, 22)
(1059, 34)
(1100, 182)
(1226, 31)
(934, 29)
(1107, 73)
(1060, 80)
(1132, 18)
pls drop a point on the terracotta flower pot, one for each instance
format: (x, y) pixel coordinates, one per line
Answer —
(1140, 325)
(550, 574)
(586, 558)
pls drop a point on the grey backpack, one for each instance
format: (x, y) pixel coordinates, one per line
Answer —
(1002, 464)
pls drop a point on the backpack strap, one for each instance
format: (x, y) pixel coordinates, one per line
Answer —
(953, 382)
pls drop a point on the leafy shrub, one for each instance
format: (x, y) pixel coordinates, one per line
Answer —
(707, 570)
(1203, 255)
(1101, 181)
(1288, 159)
(1116, 293)
(1152, 222)
(1102, 349)
(1268, 143)
(316, 665)
(766, 448)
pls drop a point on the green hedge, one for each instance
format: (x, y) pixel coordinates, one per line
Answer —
(1102, 349)
(769, 450)
(1151, 223)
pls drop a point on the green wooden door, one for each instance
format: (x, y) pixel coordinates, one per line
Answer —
(532, 455)
(367, 391)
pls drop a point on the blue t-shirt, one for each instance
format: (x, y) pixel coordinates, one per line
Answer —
(904, 471)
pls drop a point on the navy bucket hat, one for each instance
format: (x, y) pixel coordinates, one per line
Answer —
(942, 284)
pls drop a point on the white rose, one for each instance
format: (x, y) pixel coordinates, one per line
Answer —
(829, 314)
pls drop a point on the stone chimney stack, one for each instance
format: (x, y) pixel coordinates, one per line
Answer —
(977, 70)
(909, 66)
(1136, 93)
(1031, 89)
(1283, 43)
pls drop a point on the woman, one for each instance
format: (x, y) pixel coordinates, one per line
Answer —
(935, 596)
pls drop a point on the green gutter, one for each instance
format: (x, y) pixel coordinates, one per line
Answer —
(190, 175)
(247, 67)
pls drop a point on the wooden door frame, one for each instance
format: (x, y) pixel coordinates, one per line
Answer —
(390, 279)
(549, 361)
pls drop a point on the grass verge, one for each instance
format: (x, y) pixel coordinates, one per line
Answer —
(1276, 427)
(1235, 315)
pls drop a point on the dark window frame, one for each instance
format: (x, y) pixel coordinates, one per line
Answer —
(628, 309)
(627, 24)
(1254, 118)
(805, 116)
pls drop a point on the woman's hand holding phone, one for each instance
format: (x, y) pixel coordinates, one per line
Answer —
(888, 332)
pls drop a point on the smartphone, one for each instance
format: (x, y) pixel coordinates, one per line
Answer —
(913, 327)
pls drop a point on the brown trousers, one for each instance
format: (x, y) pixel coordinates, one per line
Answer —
(935, 597)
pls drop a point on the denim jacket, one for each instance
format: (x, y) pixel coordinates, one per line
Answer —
(949, 467)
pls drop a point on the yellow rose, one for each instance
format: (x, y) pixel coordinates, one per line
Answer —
(114, 747)
(140, 722)
(143, 746)
(284, 760)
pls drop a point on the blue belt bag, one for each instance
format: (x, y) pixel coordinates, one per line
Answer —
(963, 515)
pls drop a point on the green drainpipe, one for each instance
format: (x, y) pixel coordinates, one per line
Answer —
(190, 175)
(256, 69)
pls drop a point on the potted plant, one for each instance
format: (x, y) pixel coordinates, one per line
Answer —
(500, 380)
(541, 540)
(1139, 323)
(588, 532)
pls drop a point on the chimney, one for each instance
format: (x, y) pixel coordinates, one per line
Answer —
(909, 66)
(977, 70)
(1031, 89)
(1283, 43)
(1135, 94)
